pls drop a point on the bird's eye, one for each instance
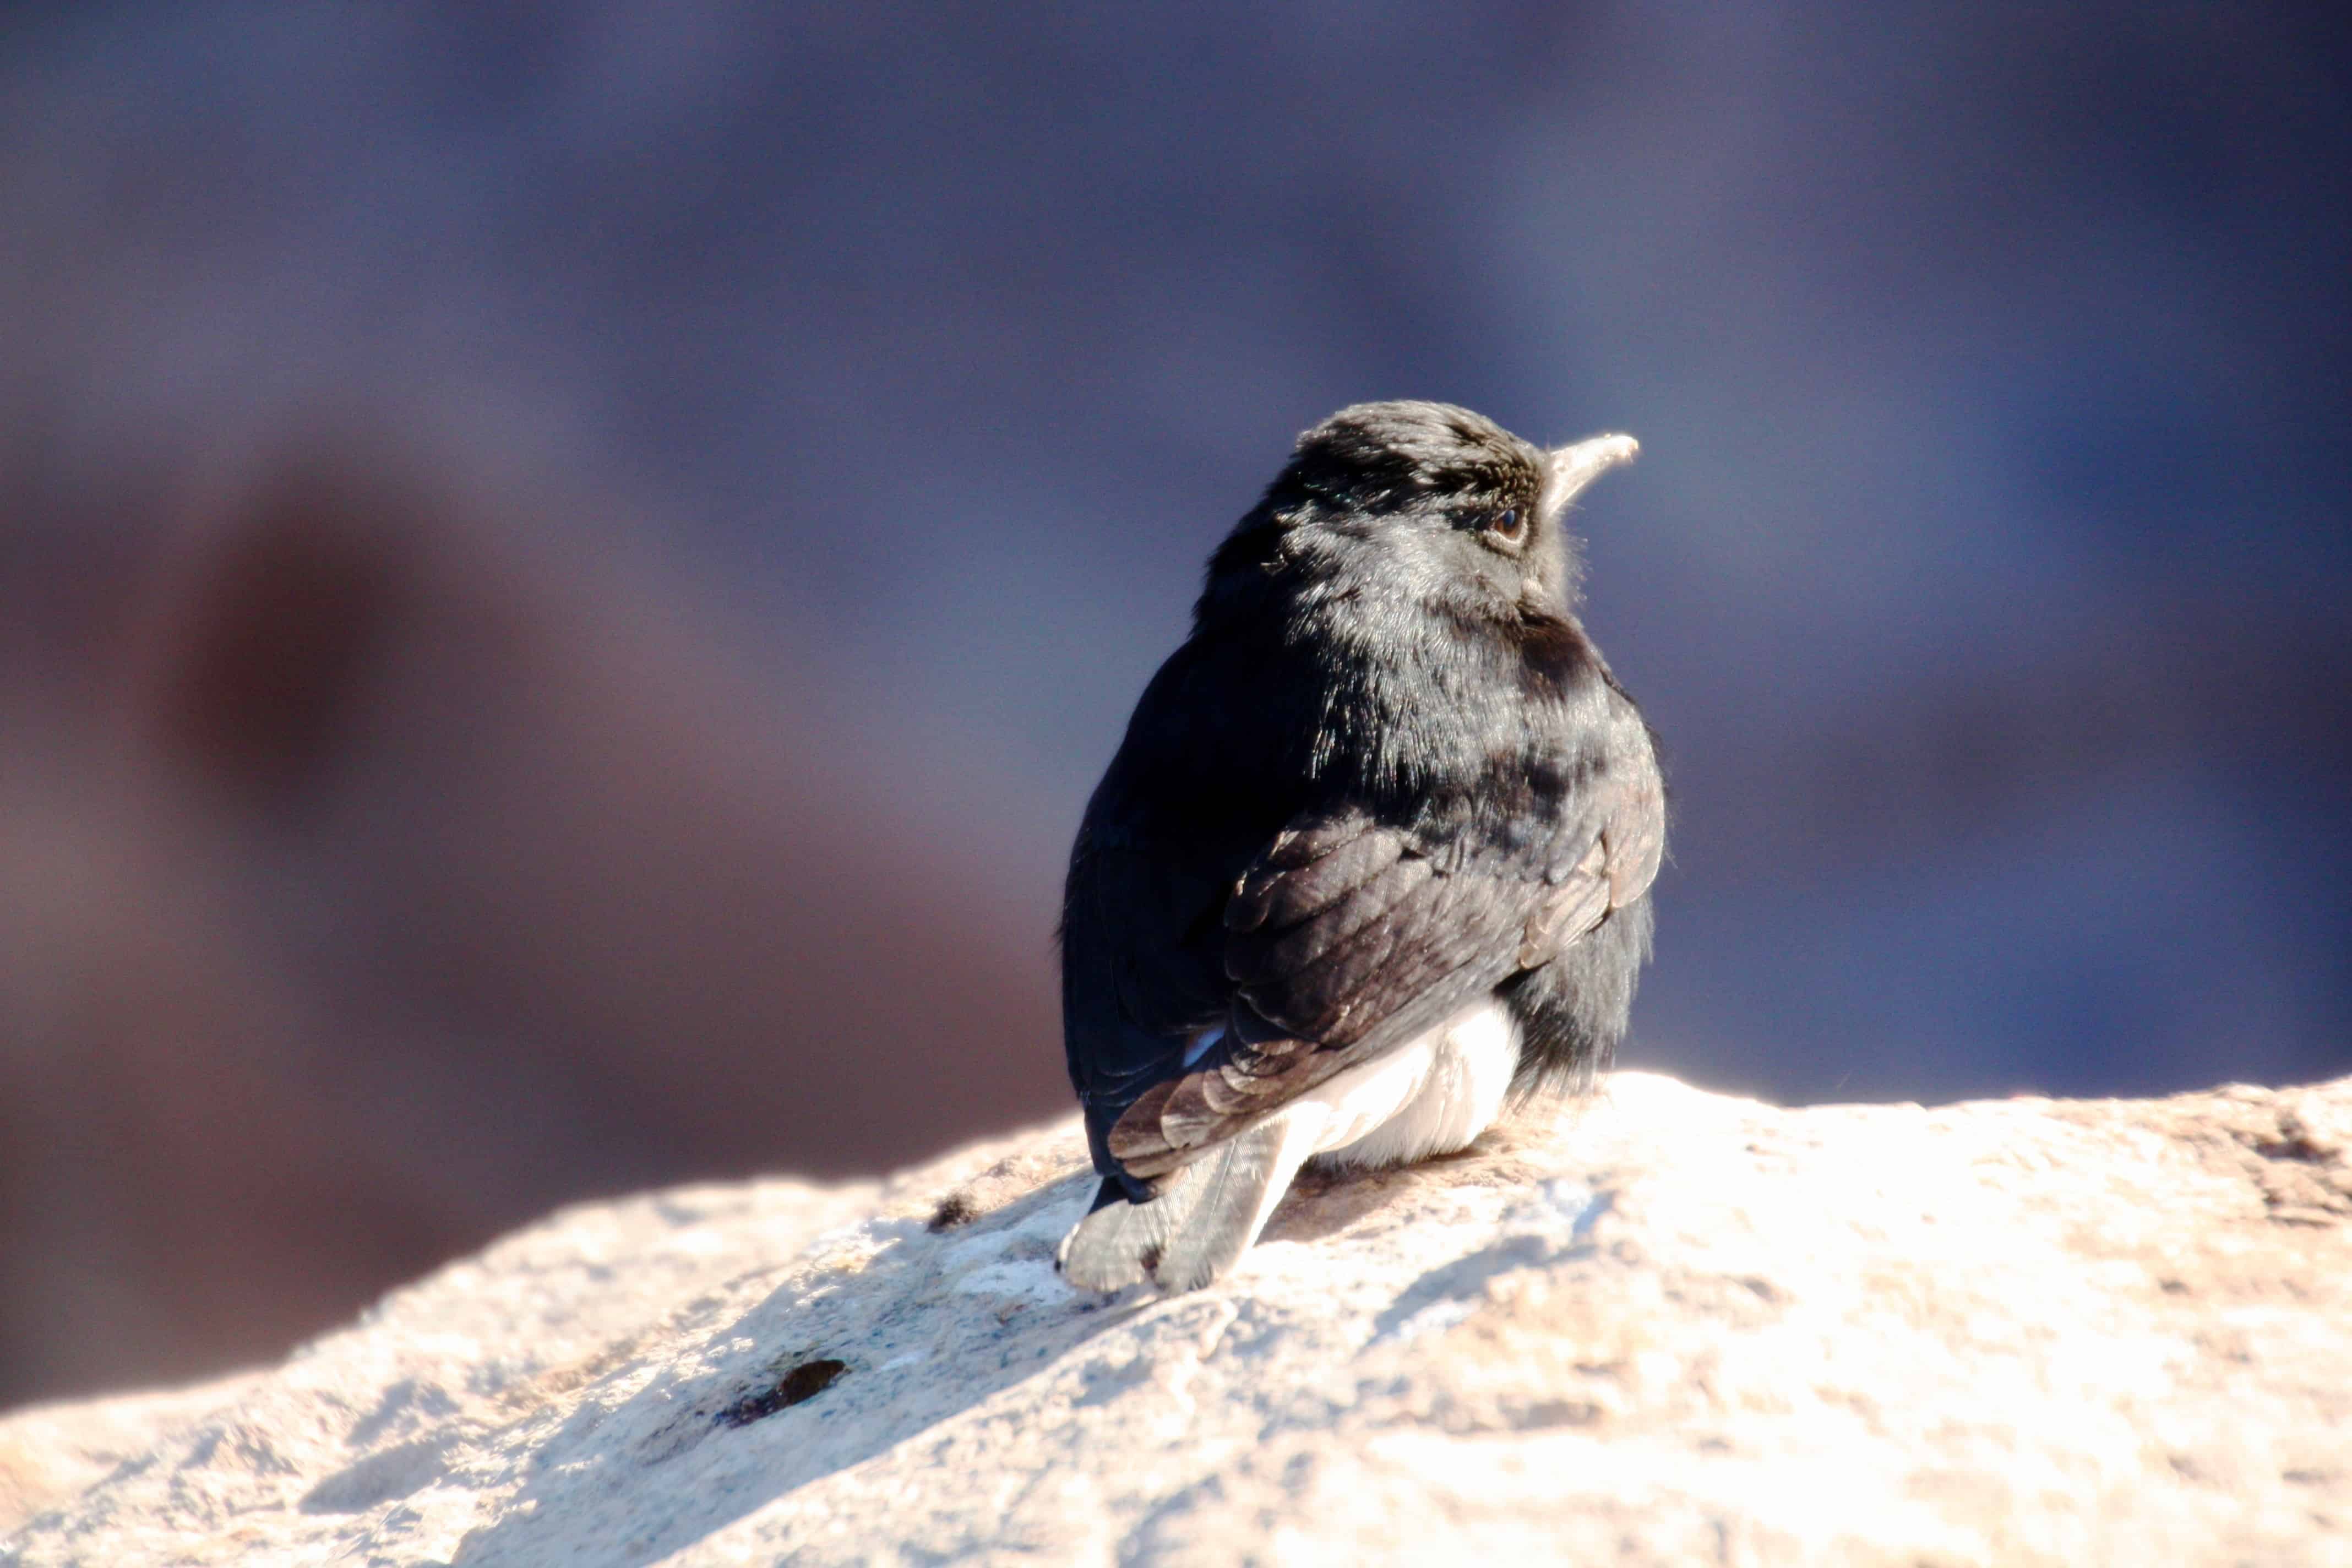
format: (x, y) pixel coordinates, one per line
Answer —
(1505, 525)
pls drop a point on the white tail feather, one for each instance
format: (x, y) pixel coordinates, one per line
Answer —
(1199, 1225)
(1116, 1246)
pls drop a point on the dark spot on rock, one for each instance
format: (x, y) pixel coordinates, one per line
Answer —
(956, 1208)
(802, 1384)
(2173, 1287)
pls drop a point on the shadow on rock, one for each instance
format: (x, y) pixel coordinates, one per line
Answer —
(881, 1331)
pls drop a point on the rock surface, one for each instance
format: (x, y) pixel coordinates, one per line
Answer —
(1663, 1327)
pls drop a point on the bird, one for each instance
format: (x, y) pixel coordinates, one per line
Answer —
(1373, 859)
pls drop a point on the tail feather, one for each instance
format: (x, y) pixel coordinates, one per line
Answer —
(1118, 1242)
(1200, 1224)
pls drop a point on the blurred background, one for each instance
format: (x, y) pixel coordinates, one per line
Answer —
(565, 573)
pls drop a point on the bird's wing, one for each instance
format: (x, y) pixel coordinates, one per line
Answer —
(1615, 865)
(1346, 937)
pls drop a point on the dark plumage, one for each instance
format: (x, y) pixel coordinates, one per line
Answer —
(1384, 814)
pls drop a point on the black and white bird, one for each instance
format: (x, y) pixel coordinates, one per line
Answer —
(1375, 855)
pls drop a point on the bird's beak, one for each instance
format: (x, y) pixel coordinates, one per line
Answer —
(1577, 464)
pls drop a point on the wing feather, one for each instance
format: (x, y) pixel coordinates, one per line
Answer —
(1347, 936)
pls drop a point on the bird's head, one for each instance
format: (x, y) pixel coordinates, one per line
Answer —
(1423, 501)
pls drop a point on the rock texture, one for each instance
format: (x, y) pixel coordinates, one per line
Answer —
(1663, 1327)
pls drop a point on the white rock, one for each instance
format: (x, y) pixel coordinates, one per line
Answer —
(1666, 1327)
